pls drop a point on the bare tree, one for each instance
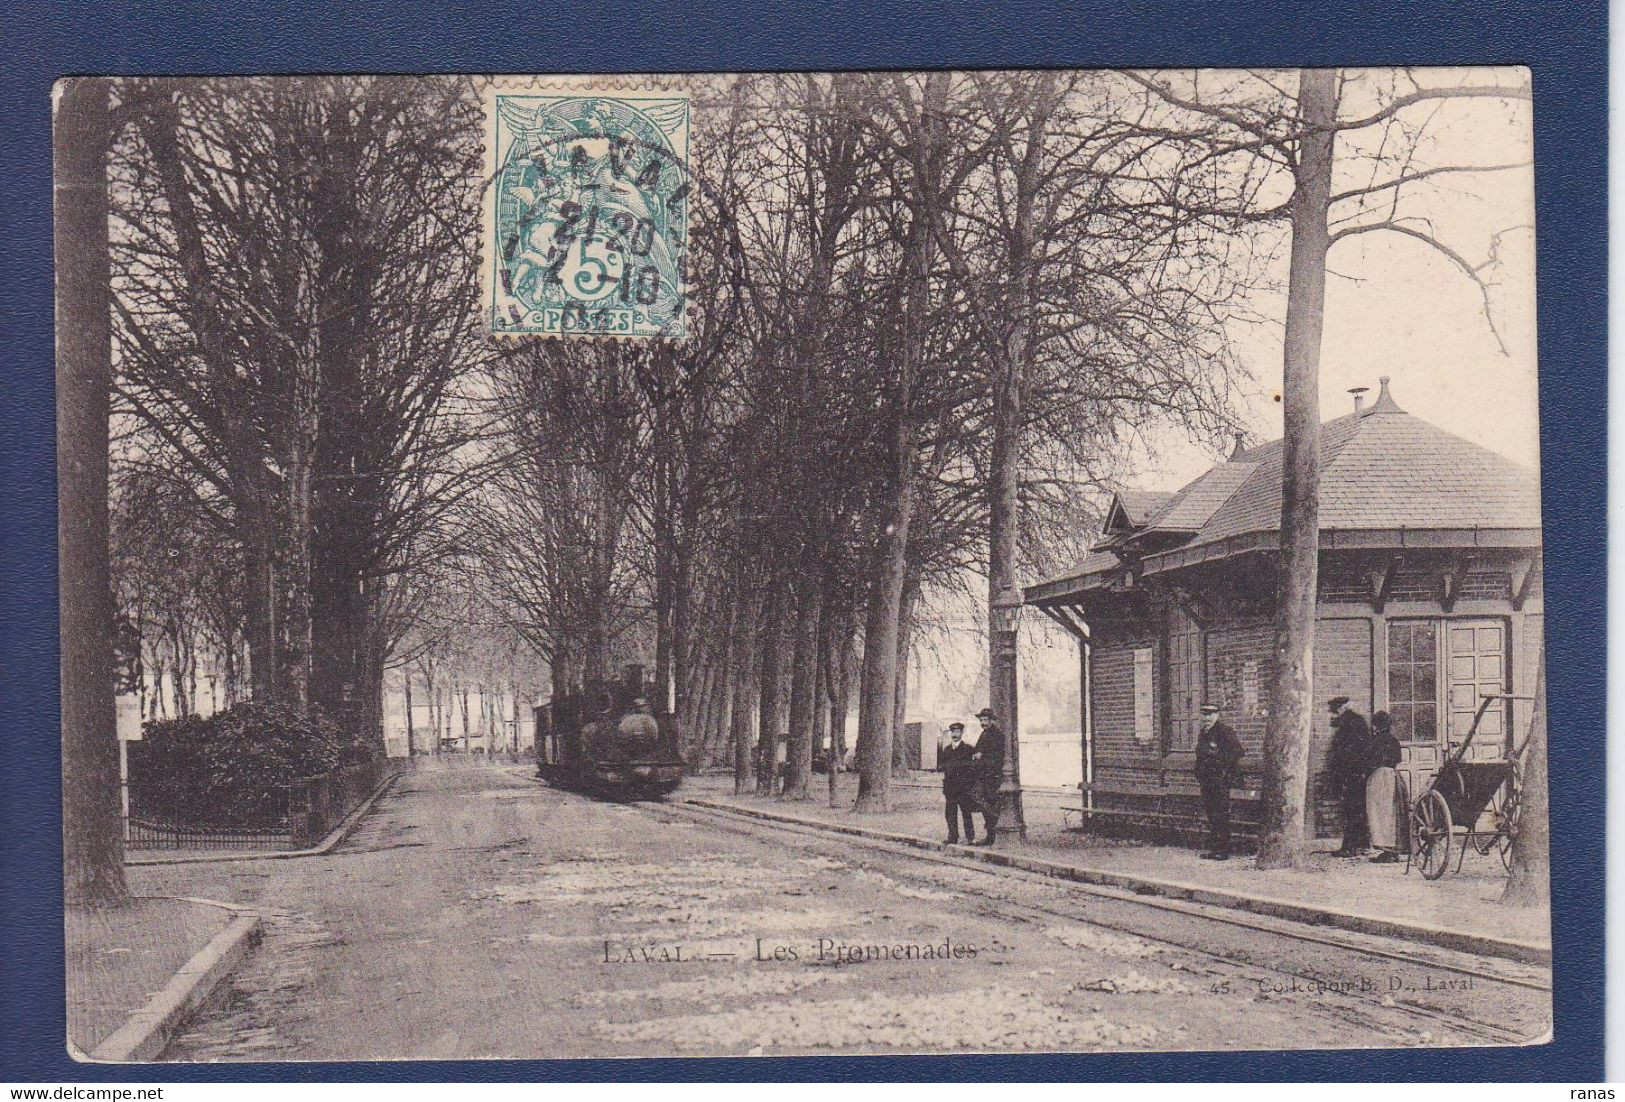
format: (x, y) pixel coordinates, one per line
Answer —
(295, 348)
(1291, 720)
(1249, 131)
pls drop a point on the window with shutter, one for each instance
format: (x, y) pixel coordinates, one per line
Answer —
(1144, 726)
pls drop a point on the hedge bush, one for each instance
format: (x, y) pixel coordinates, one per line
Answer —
(232, 768)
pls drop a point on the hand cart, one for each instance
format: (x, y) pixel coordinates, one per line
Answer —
(1452, 810)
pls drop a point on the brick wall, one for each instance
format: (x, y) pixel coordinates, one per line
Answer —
(1240, 673)
(1112, 686)
(1342, 668)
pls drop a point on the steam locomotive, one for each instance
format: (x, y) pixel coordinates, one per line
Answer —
(606, 739)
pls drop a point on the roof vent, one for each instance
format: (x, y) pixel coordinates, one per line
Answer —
(1359, 393)
(1241, 445)
(1385, 402)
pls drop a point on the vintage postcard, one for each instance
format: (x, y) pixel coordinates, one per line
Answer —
(801, 564)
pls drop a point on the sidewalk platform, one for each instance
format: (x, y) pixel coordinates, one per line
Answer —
(1460, 912)
(171, 952)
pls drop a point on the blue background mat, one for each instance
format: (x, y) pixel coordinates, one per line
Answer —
(1565, 45)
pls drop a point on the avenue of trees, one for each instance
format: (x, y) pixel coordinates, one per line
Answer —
(932, 315)
(932, 311)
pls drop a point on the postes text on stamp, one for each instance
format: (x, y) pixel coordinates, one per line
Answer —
(586, 222)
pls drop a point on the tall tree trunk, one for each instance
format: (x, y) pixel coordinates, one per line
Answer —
(744, 691)
(1291, 720)
(698, 705)
(434, 708)
(259, 605)
(877, 699)
(1531, 881)
(774, 691)
(373, 695)
(297, 531)
(723, 690)
(840, 705)
(821, 739)
(905, 646)
(698, 740)
(665, 564)
(803, 694)
(92, 827)
(337, 434)
(411, 737)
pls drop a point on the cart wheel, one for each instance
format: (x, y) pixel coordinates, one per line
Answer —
(1506, 813)
(1431, 823)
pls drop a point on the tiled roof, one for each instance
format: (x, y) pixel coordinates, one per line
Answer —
(1093, 562)
(1192, 507)
(1140, 506)
(1388, 469)
(1382, 469)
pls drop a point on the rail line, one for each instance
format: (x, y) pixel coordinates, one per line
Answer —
(1365, 946)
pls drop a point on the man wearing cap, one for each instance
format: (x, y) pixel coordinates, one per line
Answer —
(1218, 768)
(1348, 764)
(989, 759)
(958, 783)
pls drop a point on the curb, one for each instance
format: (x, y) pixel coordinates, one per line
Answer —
(148, 1031)
(334, 838)
(1507, 948)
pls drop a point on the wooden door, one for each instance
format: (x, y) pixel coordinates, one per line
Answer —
(1478, 666)
(1438, 670)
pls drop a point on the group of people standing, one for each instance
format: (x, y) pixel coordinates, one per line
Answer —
(971, 776)
(1361, 766)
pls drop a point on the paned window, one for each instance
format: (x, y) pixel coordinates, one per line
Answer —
(1413, 679)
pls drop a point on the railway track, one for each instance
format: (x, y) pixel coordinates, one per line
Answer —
(1510, 1000)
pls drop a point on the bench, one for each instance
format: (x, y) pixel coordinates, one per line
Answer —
(1154, 809)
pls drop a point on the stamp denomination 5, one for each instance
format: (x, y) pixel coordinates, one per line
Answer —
(586, 220)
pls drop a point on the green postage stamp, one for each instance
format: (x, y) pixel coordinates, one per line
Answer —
(586, 214)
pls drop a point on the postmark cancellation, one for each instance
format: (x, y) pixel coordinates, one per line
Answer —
(585, 225)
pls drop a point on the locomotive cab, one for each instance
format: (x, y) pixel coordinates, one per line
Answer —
(607, 738)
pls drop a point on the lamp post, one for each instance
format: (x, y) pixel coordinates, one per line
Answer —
(1005, 620)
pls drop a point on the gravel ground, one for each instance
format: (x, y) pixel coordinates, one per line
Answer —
(478, 914)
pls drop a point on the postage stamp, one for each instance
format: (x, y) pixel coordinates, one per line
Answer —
(586, 218)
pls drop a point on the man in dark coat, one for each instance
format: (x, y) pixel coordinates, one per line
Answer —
(989, 759)
(958, 783)
(1348, 762)
(1218, 768)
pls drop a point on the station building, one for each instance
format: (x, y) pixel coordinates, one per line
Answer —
(1430, 595)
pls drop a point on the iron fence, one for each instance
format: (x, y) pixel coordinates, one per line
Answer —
(315, 806)
(150, 833)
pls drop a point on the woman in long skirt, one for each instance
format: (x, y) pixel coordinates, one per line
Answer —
(1387, 801)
